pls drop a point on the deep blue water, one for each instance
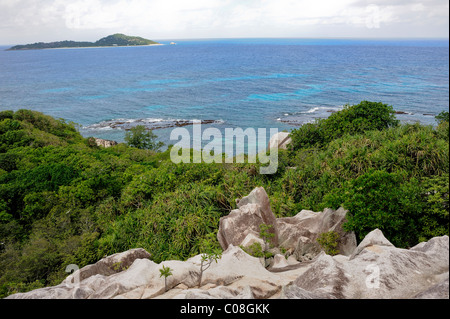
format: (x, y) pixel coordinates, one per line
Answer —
(238, 82)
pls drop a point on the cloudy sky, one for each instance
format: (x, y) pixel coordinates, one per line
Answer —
(25, 21)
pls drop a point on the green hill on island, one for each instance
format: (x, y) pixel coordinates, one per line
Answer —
(117, 39)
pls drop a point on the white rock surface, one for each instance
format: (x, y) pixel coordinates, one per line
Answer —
(373, 269)
(280, 140)
(253, 210)
(377, 270)
(298, 235)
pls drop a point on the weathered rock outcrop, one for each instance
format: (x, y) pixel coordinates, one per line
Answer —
(280, 140)
(104, 143)
(109, 265)
(377, 270)
(297, 235)
(236, 274)
(373, 269)
(300, 233)
(253, 210)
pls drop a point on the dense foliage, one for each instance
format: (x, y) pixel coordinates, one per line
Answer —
(142, 138)
(360, 118)
(66, 201)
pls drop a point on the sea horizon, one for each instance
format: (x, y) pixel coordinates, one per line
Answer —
(349, 38)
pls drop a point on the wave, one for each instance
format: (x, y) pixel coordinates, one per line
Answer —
(328, 109)
(308, 116)
(149, 123)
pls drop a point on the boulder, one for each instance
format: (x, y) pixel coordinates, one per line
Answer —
(376, 270)
(437, 291)
(259, 197)
(280, 140)
(295, 292)
(104, 143)
(306, 249)
(108, 265)
(379, 270)
(374, 238)
(300, 233)
(279, 261)
(297, 235)
(251, 239)
(373, 269)
(253, 210)
(325, 277)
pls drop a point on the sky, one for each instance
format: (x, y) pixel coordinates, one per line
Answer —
(29, 21)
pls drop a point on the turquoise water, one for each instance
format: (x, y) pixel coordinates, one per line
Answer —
(244, 83)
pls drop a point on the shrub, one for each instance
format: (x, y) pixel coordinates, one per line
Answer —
(63, 202)
(434, 220)
(381, 200)
(266, 234)
(7, 114)
(354, 119)
(442, 117)
(211, 254)
(443, 125)
(360, 118)
(329, 242)
(308, 135)
(46, 123)
(255, 250)
(142, 138)
(165, 272)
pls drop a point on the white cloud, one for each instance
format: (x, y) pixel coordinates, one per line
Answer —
(212, 18)
(166, 15)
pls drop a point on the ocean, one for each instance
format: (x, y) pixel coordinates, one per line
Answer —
(228, 83)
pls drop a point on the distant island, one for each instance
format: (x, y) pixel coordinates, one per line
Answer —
(117, 39)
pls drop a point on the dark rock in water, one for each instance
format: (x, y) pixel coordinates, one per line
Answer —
(291, 122)
(150, 124)
(401, 112)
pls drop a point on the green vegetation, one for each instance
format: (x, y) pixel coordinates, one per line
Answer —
(117, 39)
(165, 272)
(64, 200)
(123, 40)
(256, 249)
(211, 254)
(265, 234)
(142, 138)
(329, 242)
(442, 117)
(355, 119)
